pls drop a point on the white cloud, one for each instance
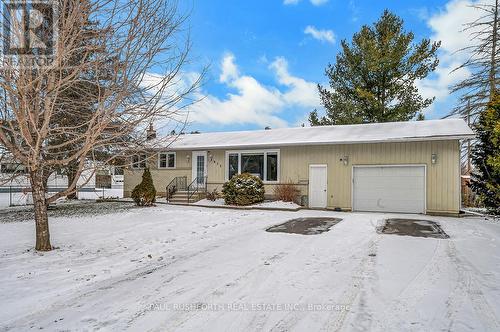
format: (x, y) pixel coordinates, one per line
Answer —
(301, 92)
(253, 102)
(314, 2)
(322, 35)
(229, 69)
(448, 27)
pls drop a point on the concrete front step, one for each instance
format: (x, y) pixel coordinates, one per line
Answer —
(182, 192)
(183, 201)
(182, 197)
(185, 195)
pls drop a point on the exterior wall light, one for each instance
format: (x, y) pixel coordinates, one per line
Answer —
(345, 160)
(434, 158)
(187, 158)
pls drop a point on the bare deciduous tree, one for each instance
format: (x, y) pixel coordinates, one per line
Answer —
(128, 41)
(483, 61)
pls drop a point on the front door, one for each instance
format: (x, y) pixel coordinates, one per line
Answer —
(318, 186)
(199, 167)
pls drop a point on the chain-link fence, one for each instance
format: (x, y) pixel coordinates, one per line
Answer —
(21, 195)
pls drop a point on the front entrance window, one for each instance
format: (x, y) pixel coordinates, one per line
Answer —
(263, 164)
(233, 165)
(200, 169)
(272, 166)
(253, 164)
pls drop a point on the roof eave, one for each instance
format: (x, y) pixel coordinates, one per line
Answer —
(278, 145)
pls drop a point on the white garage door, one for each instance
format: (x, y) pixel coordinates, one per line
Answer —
(389, 189)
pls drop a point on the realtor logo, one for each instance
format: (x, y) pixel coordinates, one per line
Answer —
(29, 32)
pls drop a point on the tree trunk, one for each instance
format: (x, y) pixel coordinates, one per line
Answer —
(41, 216)
(493, 64)
(71, 177)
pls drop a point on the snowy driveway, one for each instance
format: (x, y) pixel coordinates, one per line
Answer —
(189, 268)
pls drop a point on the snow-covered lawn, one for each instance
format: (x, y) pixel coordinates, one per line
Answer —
(191, 268)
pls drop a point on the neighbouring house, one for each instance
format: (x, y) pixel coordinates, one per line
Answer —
(410, 167)
(14, 178)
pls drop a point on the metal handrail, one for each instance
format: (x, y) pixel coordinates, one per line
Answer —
(169, 187)
(177, 183)
(197, 188)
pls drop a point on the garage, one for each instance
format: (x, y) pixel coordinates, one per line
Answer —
(391, 188)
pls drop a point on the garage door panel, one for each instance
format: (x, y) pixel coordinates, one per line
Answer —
(389, 206)
(383, 194)
(394, 183)
(407, 186)
(389, 189)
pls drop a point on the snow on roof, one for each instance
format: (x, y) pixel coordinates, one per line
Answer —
(446, 129)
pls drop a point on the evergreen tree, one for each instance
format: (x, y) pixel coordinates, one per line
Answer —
(144, 194)
(77, 102)
(373, 79)
(486, 157)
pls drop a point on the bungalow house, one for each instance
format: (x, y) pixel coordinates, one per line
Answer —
(410, 167)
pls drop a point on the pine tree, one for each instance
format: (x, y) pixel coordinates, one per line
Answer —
(486, 157)
(84, 93)
(373, 79)
(144, 194)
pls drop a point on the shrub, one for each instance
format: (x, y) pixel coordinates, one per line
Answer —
(144, 194)
(213, 195)
(243, 189)
(287, 192)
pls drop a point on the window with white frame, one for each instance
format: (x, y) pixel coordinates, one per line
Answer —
(263, 164)
(11, 168)
(166, 160)
(139, 161)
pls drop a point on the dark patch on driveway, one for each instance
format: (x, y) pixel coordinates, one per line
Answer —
(413, 227)
(305, 226)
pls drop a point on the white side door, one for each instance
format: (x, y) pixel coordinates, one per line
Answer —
(318, 182)
(199, 167)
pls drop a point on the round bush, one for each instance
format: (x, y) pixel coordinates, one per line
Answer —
(243, 189)
(144, 194)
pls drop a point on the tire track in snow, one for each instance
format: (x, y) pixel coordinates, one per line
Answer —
(364, 318)
(467, 287)
(362, 271)
(290, 320)
(182, 317)
(416, 289)
(110, 284)
(94, 290)
(263, 272)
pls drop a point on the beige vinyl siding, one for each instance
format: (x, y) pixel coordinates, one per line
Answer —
(443, 192)
(161, 177)
(216, 168)
(443, 187)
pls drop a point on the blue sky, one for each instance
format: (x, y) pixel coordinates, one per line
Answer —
(266, 56)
